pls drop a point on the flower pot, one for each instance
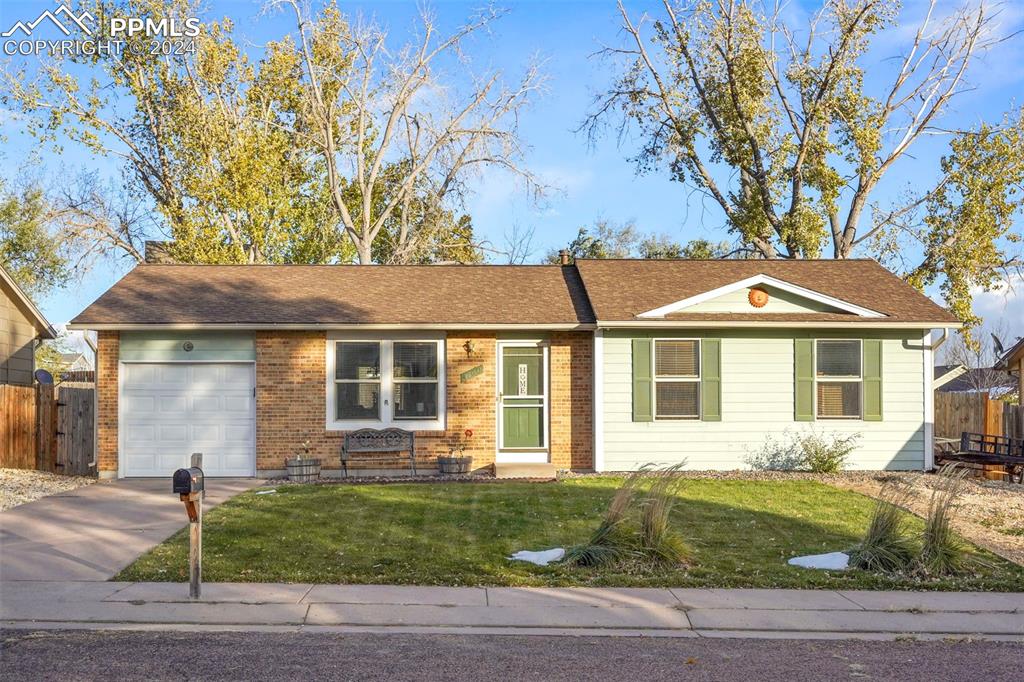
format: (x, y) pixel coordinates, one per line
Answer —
(303, 470)
(454, 465)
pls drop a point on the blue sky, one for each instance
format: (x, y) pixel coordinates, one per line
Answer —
(596, 182)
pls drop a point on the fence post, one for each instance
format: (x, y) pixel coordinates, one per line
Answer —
(993, 416)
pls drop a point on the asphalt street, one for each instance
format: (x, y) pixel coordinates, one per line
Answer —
(110, 655)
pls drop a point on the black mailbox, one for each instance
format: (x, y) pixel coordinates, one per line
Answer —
(188, 481)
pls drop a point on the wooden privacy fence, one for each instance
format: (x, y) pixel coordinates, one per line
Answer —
(47, 428)
(977, 413)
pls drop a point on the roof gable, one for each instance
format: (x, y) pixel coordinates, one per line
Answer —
(631, 291)
(783, 297)
(25, 304)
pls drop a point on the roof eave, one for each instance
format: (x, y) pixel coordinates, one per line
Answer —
(557, 326)
(872, 323)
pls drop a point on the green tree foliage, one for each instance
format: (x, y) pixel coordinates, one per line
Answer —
(778, 125)
(225, 146)
(28, 250)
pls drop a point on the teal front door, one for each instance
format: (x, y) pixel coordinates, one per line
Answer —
(522, 397)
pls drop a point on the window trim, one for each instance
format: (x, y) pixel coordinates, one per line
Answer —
(859, 379)
(673, 379)
(387, 382)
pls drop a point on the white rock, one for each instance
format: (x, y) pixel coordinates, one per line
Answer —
(836, 561)
(266, 492)
(542, 558)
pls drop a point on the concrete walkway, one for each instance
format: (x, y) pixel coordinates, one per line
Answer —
(505, 610)
(92, 532)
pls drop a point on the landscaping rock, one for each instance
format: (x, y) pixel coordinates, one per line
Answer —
(18, 486)
(542, 558)
(833, 561)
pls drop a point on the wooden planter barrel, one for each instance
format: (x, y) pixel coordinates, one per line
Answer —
(454, 465)
(303, 470)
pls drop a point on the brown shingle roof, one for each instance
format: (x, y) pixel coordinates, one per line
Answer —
(342, 294)
(619, 290)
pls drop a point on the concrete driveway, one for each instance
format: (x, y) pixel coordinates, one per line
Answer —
(92, 532)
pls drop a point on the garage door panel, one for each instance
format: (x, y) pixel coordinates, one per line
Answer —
(170, 411)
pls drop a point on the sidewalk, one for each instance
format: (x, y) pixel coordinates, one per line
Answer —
(507, 610)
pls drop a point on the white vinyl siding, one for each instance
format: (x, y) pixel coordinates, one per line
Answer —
(757, 400)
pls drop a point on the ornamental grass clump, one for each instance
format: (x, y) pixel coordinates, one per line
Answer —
(886, 546)
(612, 540)
(942, 551)
(635, 529)
(659, 542)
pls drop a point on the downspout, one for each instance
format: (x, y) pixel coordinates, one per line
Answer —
(938, 344)
(95, 400)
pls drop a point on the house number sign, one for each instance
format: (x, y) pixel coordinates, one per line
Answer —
(524, 372)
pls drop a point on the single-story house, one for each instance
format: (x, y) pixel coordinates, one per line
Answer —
(599, 365)
(991, 380)
(22, 328)
(76, 362)
(1012, 361)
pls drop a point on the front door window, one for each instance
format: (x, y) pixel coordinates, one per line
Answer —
(523, 397)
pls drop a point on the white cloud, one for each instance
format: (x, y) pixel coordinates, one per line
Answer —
(1005, 303)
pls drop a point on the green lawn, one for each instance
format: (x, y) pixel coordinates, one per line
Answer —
(741, 532)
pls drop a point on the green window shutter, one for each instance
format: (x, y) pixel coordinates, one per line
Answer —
(711, 380)
(643, 383)
(803, 380)
(872, 380)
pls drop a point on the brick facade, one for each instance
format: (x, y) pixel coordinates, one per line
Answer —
(291, 405)
(107, 356)
(291, 400)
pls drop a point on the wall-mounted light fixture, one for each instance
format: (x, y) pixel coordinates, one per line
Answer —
(470, 347)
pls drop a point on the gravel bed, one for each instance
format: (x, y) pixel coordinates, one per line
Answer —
(18, 486)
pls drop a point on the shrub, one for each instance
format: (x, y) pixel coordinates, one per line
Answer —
(777, 454)
(827, 454)
(810, 451)
(886, 546)
(942, 551)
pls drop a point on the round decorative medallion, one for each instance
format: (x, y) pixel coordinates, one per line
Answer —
(758, 298)
(187, 346)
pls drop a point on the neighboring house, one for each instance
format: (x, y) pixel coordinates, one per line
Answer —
(996, 382)
(22, 327)
(1012, 361)
(946, 373)
(601, 365)
(76, 362)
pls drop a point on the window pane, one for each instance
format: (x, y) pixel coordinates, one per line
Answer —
(677, 398)
(522, 370)
(676, 358)
(358, 400)
(416, 401)
(357, 360)
(839, 358)
(838, 399)
(415, 360)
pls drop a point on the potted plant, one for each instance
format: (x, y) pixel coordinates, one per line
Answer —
(303, 468)
(457, 461)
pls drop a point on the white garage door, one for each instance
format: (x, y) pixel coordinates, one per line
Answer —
(169, 411)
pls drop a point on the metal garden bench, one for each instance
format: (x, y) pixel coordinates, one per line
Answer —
(979, 448)
(378, 440)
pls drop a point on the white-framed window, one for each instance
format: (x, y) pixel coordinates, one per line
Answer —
(838, 378)
(380, 382)
(677, 379)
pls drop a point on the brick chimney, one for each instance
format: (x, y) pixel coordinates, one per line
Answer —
(157, 252)
(563, 257)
